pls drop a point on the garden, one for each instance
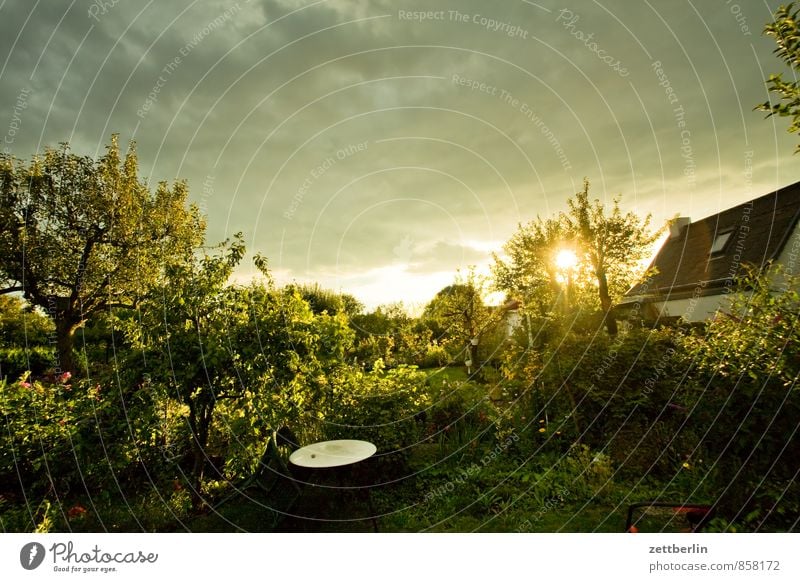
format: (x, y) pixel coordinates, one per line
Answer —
(140, 387)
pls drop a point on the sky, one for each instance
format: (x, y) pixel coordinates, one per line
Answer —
(378, 147)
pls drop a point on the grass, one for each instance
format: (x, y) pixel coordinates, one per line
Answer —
(440, 493)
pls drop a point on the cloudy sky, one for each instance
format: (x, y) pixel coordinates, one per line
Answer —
(378, 146)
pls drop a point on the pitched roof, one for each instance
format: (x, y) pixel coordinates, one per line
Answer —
(756, 233)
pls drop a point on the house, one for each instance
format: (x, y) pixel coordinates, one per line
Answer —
(697, 265)
(512, 318)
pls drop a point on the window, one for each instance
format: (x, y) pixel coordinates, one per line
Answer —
(719, 243)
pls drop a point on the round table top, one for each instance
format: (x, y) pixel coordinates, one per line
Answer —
(332, 453)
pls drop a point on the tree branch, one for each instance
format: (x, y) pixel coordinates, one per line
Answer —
(11, 290)
(82, 263)
(119, 305)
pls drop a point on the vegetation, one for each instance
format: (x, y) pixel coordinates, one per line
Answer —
(186, 376)
(785, 29)
(79, 237)
(605, 248)
(459, 317)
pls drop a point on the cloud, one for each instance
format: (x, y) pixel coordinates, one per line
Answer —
(473, 120)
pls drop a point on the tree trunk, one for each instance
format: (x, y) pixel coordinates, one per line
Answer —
(607, 305)
(65, 330)
(473, 354)
(200, 423)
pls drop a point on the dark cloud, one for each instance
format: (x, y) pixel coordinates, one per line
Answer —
(338, 134)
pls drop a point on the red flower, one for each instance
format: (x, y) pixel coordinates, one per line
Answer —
(64, 377)
(76, 511)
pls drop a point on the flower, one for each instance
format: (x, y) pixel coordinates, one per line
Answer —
(543, 429)
(64, 377)
(25, 384)
(76, 511)
(541, 421)
(686, 466)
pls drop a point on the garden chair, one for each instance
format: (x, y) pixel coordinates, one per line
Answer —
(273, 477)
(654, 516)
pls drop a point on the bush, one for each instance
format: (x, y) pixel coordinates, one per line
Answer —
(14, 362)
(745, 402)
(63, 437)
(379, 407)
(435, 357)
(612, 394)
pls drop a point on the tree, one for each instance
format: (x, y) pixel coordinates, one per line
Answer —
(380, 335)
(20, 325)
(785, 29)
(79, 236)
(459, 314)
(529, 272)
(259, 354)
(609, 248)
(612, 245)
(324, 300)
(183, 331)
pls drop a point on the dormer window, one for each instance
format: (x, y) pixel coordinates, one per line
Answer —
(720, 242)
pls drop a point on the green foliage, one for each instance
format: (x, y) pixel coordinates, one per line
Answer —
(21, 325)
(580, 474)
(529, 273)
(460, 413)
(326, 301)
(619, 395)
(14, 362)
(745, 400)
(79, 236)
(192, 315)
(459, 318)
(256, 356)
(785, 29)
(758, 336)
(24, 339)
(390, 335)
(435, 356)
(381, 407)
(44, 438)
(609, 246)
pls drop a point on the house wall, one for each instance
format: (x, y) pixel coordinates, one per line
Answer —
(692, 309)
(512, 322)
(695, 309)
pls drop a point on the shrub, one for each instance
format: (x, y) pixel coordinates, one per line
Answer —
(745, 402)
(15, 361)
(379, 407)
(435, 357)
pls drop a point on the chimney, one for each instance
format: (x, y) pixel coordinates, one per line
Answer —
(676, 226)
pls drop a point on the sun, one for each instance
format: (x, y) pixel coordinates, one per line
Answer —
(566, 259)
